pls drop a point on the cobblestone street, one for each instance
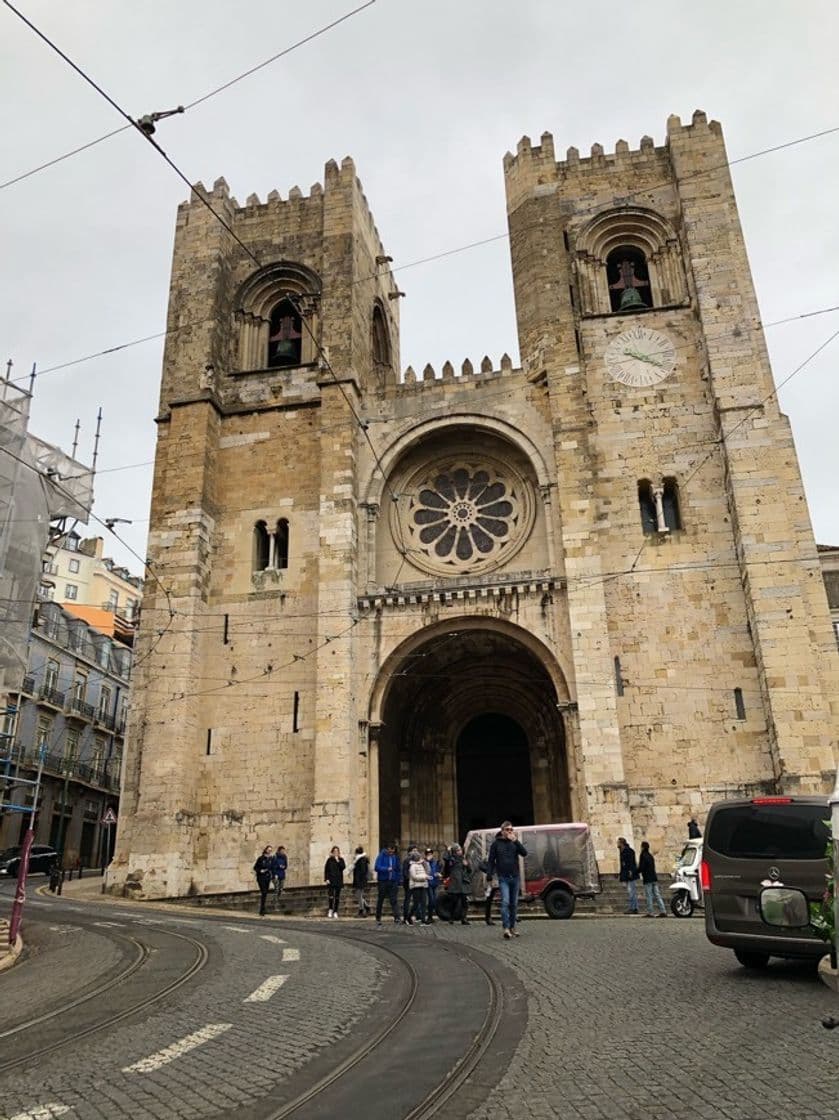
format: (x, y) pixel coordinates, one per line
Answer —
(645, 1020)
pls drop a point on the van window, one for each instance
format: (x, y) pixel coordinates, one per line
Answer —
(794, 831)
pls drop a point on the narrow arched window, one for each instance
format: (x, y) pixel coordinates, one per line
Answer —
(261, 547)
(281, 544)
(646, 505)
(670, 503)
(629, 279)
(285, 335)
(380, 338)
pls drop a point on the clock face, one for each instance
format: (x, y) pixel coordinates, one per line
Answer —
(640, 356)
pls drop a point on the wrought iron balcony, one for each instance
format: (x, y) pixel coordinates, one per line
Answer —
(80, 708)
(50, 695)
(28, 685)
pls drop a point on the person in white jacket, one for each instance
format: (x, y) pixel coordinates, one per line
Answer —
(418, 886)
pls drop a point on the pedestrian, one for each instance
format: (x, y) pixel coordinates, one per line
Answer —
(388, 873)
(333, 874)
(418, 885)
(503, 863)
(360, 874)
(460, 882)
(406, 885)
(279, 867)
(264, 875)
(652, 893)
(628, 874)
(694, 832)
(434, 870)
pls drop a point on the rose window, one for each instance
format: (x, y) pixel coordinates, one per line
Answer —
(465, 516)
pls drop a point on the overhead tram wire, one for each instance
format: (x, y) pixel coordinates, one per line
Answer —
(198, 100)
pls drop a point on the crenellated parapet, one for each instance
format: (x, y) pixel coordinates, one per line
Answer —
(466, 374)
(535, 166)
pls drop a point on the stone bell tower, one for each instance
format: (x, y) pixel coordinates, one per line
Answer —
(698, 625)
(236, 722)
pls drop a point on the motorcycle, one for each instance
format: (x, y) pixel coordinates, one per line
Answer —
(686, 888)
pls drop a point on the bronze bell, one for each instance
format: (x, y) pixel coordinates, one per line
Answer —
(631, 300)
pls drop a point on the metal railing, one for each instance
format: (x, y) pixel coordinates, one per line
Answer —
(51, 695)
(104, 775)
(78, 707)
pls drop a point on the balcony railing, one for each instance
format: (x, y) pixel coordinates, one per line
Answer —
(105, 719)
(28, 685)
(78, 707)
(51, 695)
(104, 775)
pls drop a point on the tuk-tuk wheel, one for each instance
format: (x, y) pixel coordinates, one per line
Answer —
(681, 904)
(559, 903)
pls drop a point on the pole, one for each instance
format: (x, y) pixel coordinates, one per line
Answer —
(62, 828)
(833, 802)
(23, 867)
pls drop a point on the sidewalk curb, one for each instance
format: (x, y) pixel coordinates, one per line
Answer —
(12, 954)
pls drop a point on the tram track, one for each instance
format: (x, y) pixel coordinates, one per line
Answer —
(348, 1086)
(140, 958)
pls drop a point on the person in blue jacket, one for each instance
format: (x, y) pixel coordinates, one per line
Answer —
(435, 869)
(388, 868)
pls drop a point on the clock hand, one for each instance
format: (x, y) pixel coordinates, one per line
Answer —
(644, 358)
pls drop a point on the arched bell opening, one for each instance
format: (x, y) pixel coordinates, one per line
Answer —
(470, 734)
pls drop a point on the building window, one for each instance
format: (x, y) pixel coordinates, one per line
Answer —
(100, 750)
(71, 745)
(659, 506)
(285, 336)
(51, 673)
(71, 591)
(739, 706)
(670, 504)
(80, 686)
(261, 547)
(44, 732)
(113, 600)
(646, 504)
(104, 702)
(73, 565)
(629, 280)
(281, 544)
(277, 317)
(130, 608)
(380, 338)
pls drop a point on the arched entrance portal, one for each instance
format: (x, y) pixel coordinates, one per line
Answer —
(488, 747)
(470, 734)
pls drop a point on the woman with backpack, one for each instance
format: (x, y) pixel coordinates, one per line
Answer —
(360, 874)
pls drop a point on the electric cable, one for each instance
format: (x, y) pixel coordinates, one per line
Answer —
(192, 104)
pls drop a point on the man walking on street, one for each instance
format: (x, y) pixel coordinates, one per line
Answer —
(388, 870)
(503, 865)
(628, 874)
(646, 869)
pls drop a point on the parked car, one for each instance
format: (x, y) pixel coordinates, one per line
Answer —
(41, 859)
(751, 845)
(559, 868)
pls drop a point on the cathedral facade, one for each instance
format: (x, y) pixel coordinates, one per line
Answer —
(409, 604)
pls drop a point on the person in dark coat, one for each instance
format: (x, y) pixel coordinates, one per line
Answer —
(460, 882)
(628, 874)
(503, 864)
(279, 867)
(434, 875)
(360, 875)
(652, 893)
(694, 832)
(263, 869)
(333, 874)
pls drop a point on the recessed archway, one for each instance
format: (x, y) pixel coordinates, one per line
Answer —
(470, 734)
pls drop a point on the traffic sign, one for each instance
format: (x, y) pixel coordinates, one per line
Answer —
(110, 817)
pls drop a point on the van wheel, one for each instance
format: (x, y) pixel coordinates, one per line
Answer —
(682, 904)
(443, 907)
(749, 958)
(559, 903)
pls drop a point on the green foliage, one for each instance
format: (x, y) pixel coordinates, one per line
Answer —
(823, 912)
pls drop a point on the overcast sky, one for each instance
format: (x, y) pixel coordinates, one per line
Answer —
(426, 97)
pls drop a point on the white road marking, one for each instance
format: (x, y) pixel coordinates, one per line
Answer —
(291, 954)
(270, 937)
(237, 929)
(41, 1112)
(162, 1057)
(266, 989)
(109, 924)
